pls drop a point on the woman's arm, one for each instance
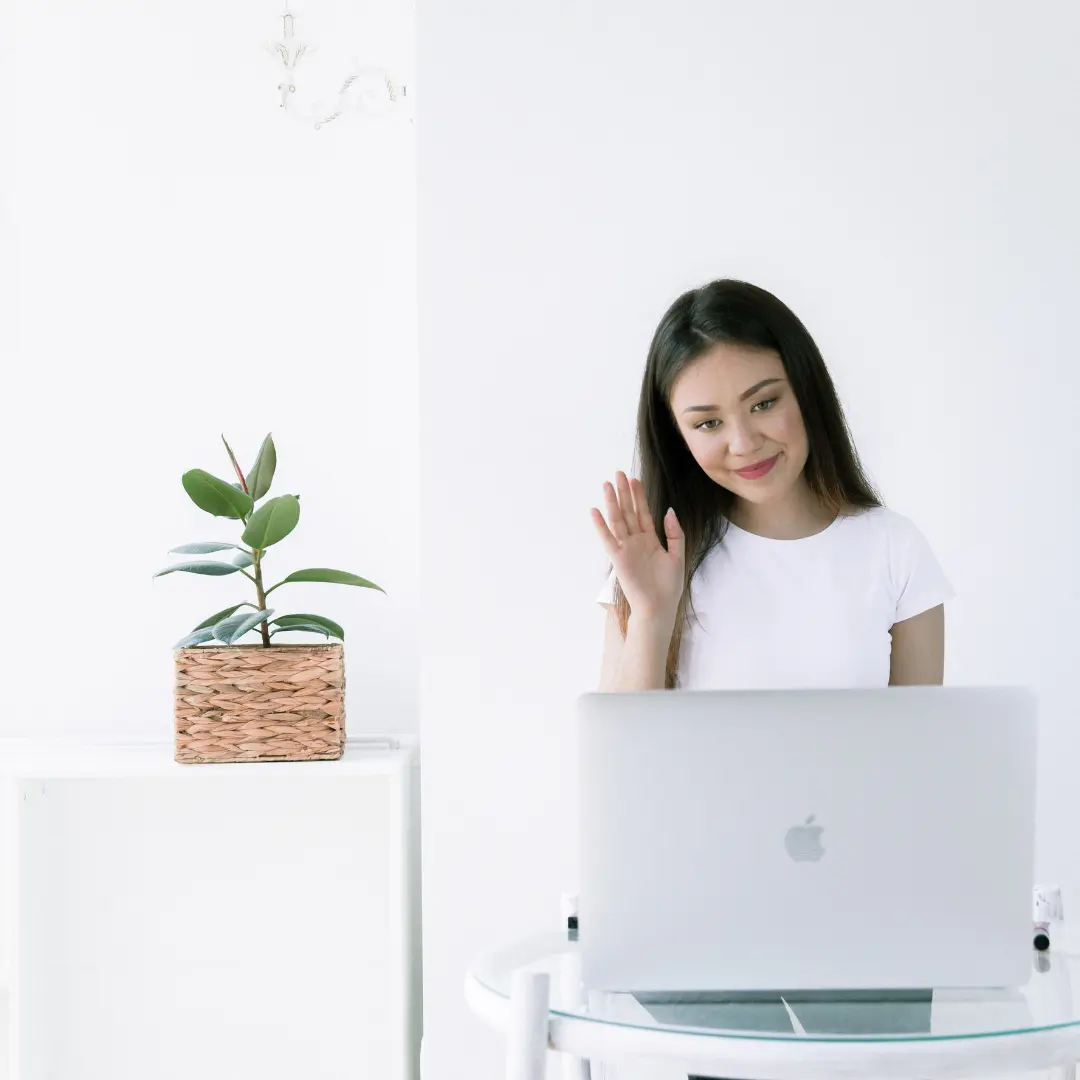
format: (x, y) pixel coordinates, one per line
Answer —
(918, 650)
(638, 661)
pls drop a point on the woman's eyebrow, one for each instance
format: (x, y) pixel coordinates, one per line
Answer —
(758, 386)
(742, 397)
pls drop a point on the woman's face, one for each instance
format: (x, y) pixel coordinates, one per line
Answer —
(739, 417)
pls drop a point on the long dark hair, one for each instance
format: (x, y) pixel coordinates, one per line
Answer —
(738, 313)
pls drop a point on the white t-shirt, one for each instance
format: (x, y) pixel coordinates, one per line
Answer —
(816, 612)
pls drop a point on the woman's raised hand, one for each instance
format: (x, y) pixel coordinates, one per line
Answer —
(651, 576)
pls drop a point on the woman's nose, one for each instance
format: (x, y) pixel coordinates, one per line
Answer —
(742, 438)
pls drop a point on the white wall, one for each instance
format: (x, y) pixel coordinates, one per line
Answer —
(904, 177)
(189, 262)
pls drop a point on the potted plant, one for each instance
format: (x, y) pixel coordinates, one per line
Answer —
(267, 701)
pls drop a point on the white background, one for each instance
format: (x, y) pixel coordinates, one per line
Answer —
(905, 178)
(178, 262)
(186, 261)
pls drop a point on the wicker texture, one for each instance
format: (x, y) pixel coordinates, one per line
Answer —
(248, 703)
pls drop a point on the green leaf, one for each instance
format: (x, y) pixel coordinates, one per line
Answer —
(261, 475)
(236, 626)
(236, 466)
(200, 566)
(196, 637)
(333, 577)
(243, 560)
(215, 496)
(320, 622)
(219, 615)
(201, 548)
(309, 628)
(273, 521)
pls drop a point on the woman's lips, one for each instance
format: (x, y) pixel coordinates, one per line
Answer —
(756, 472)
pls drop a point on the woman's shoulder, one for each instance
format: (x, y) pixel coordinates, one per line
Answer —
(880, 521)
(879, 532)
(914, 571)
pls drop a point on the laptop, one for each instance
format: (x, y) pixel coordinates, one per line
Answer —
(734, 843)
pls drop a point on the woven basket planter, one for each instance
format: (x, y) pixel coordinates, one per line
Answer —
(249, 703)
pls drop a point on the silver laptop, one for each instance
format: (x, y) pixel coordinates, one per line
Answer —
(806, 840)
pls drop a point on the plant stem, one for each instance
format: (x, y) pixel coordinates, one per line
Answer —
(264, 630)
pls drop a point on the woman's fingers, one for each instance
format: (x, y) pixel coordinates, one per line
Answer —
(611, 545)
(615, 521)
(626, 514)
(676, 539)
(641, 507)
(626, 503)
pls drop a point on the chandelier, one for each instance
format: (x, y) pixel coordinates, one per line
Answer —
(365, 89)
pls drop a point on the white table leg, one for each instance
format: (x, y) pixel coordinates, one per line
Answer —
(570, 994)
(527, 1030)
(574, 1068)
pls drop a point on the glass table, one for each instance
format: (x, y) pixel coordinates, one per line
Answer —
(532, 991)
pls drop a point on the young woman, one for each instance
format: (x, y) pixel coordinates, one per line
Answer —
(754, 553)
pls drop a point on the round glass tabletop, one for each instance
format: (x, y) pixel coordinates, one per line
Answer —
(1049, 1001)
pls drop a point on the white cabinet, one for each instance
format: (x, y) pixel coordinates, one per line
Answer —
(218, 921)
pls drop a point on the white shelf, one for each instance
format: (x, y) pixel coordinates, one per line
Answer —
(69, 759)
(223, 920)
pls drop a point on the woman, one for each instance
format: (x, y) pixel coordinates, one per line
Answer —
(779, 566)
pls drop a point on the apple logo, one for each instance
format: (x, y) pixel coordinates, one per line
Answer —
(803, 842)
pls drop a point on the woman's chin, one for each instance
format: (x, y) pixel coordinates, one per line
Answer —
(759, 492)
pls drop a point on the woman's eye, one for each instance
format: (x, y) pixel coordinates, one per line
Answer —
(764, 406)
(707, 425)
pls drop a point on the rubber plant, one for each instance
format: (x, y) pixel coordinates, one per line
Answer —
(263, 526)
